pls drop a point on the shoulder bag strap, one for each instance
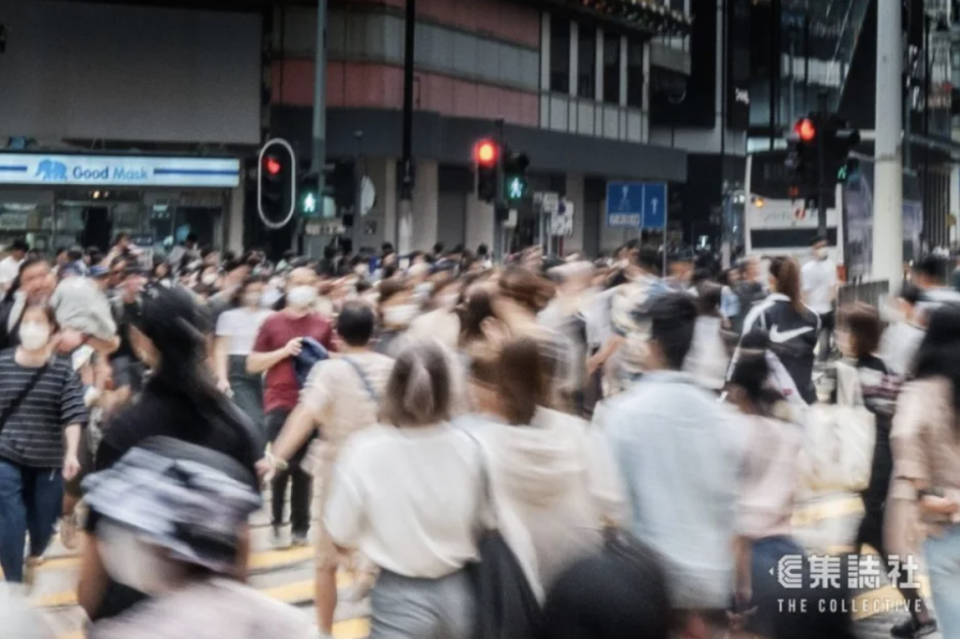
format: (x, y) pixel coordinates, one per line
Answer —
(849, 389)
(12, 407)
(486, 491)
(363, 378)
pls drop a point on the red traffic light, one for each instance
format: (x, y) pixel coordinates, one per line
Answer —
(272, 165)
(485, 152)
(805, 129)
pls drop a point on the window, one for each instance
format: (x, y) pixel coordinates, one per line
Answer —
(587, 63)
(611, 68)
(559, 54)
(635, 73)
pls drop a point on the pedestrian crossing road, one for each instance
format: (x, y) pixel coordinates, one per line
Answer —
(823, 525)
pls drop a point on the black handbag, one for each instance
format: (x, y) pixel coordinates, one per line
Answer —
(507, 607)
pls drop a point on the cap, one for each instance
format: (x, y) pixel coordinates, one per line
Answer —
(190, 500)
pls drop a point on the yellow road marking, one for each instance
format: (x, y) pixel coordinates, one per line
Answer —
(352, 629)
(349, 629)
(812, 513)
(259, 561)
(274, 558)
(287, 593)
(883, 600)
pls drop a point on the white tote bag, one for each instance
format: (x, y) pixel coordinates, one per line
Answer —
(838, 450)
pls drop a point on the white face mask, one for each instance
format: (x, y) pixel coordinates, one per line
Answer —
(401, 315)
(252, 299)
(132, 562)
(209, 279)
(34, 335)
(301, 296)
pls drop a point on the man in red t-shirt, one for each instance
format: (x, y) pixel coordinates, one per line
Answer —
(279, 341)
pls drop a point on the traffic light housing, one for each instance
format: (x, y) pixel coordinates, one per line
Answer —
(311, 198)
(276, 183)
(821, 138)
(841, 139)
(515, 185)
(803, 156)
(486, 156)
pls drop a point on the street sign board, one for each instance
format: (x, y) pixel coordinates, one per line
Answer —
(624, 204)
(654, 205)
(636, 205)
(549, 202)
(561, 220)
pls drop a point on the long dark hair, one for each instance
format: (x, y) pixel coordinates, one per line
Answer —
(939, 352)
(179, 329)
(787, 273)
(521, 376)
(475, 307)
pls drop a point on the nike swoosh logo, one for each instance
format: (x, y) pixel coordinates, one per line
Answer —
(778, 337)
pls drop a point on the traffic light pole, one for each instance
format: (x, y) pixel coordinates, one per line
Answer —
(318, 158)
(822, 166)
(499, 203)
(887, 258)
(404, 215)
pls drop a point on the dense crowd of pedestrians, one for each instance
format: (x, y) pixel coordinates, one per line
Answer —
(541, 448)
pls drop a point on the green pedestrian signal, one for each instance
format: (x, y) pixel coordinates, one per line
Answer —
(516, 187)
(308, 196)
(848, 171)
(309, 204)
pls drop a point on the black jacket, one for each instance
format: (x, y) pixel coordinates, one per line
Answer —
(792, 336)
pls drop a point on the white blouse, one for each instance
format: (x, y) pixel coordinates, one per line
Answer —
(408, 498)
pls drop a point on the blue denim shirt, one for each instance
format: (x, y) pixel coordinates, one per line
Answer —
(680, 452)
(729, 303)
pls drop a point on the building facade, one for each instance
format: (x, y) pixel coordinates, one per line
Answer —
(569, 82)
(132, 117)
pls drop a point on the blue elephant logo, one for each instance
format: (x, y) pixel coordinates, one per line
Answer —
(52, 171)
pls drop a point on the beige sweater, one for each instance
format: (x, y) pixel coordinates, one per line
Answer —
(554, 486)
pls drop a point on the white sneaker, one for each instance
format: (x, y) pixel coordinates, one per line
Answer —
(316, 634)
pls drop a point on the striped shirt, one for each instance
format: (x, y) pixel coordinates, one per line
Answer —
(33, 434)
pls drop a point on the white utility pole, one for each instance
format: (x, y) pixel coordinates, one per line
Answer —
(887, 261)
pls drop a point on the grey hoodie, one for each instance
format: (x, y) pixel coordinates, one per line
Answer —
(554, 488)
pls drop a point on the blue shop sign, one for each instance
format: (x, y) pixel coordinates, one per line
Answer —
(118, 171)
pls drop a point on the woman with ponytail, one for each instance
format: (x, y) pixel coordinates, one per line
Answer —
(791, 326)
(180, 400)
(406, 494)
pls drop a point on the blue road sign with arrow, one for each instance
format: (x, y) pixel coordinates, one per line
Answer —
(654, 205)
(624, 204)
(636, 205)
